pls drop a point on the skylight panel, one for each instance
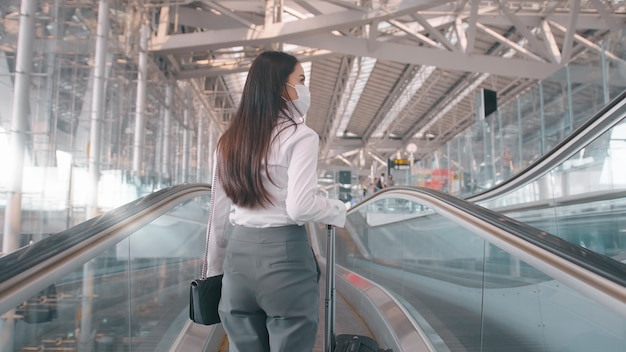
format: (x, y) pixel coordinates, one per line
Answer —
(418, 80)
(356, 83)
(462, 95)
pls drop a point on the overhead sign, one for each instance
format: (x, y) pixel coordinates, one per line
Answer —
(401, 164)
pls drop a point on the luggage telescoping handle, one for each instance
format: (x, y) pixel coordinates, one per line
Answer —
(329, 331)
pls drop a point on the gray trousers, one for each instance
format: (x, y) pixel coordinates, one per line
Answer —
(270, 290)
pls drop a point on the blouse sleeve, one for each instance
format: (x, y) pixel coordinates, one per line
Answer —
(303, 205)
(217, 226)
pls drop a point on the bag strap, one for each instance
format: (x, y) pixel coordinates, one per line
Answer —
(205, 262)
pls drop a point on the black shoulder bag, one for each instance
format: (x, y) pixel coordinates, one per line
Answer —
(205, 293)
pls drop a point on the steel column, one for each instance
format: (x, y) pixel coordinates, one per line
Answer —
(21, 89)
(140, 116)
(97, 107)
(543, 120)
(167, 121)
(501, 137)
(569, 118)
(520, 135)
(85, 337)
(186, 140)
(158, 152)
(211, 148)
(200, 150)
(605, 74)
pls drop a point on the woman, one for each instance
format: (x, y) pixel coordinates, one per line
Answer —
(266, 168)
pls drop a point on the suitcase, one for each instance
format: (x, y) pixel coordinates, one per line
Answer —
(343, 342)
(353, 343)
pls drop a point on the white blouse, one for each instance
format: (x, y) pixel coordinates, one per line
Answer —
(292, 164)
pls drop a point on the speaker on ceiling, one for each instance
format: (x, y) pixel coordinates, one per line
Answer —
(490, 101)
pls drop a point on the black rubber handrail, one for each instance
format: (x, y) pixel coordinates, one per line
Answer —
(32, 267)
(38, 252)
(57, 246)
(593, 262)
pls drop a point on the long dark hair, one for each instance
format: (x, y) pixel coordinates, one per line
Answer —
(243, 148)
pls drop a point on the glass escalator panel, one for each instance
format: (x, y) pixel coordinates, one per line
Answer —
(467, 290)
(133, 296)
(581, 200)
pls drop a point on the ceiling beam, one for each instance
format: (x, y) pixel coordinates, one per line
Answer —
(551, 44)
(416, 35)
(244, 66)
(460, 34)
(511, 44)
(588, 43)
(471, 29)
(434, 32)
(164, 22)
(494, 16)
(347, 5)
(568, 40)
(522, 28)
(228, 13)
(607, 15)
(198, 18)
(372, 34)
(468, 86)
(306, 5)
(331, 122)
(433, 57)
(283, 31)
(585, 20)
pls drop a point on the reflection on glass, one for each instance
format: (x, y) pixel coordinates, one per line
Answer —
(577, 200)
(140, 288)
(474, 295)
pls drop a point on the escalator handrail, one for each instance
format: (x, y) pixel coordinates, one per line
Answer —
(32, 268)
(590, 273)
(605, 119)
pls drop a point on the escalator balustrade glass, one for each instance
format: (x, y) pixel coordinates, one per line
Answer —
(470, 293)
(132, 296)
(581, 200)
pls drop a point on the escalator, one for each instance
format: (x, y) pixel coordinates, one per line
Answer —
(118, 282)
(471, 279)
(428, 272)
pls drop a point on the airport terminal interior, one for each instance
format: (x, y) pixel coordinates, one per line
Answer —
(497, 128)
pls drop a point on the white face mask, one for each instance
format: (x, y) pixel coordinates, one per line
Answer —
(303, 102)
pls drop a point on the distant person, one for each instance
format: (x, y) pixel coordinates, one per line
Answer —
(468, 182)
(380, 183)
(507, 162)
(444, 187)
(266, 170)
(390, 181)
